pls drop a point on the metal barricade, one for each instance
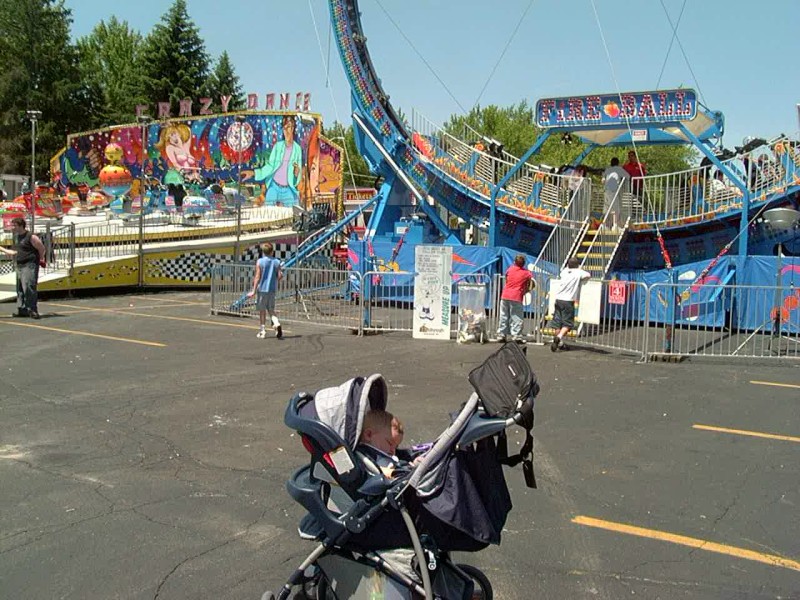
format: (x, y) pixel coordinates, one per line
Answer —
(319, 296)
(623, 319)
(324, 297)
(387, 299)
(663, 320)
(715, 320)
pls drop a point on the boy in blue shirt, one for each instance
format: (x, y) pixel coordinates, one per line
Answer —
(265, 284)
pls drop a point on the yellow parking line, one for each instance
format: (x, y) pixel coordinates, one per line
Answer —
(776, 384)
(181, 302)
(769, 559)
(80, 310)
(135, 314)
(85, 333)
(769, 436)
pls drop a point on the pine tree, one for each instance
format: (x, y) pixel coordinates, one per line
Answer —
(225, 82)
(40, 72)
(111, 63)
(175, 64)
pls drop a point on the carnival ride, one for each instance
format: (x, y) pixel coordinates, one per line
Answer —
(195, 189)
(713, 222)
(515, 203)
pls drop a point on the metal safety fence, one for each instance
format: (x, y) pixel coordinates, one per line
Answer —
(631, 318)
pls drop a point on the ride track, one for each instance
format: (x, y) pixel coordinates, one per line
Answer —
(409, 163)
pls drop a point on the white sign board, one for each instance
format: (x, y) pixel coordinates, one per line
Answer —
(588, 304)
(432, 273)
(591, 299)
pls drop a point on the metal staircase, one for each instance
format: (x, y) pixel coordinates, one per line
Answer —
(565, 236)
(598, 247)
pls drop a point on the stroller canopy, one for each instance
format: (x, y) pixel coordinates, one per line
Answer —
(343, 407)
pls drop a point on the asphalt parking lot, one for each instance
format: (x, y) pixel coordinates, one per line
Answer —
(143, 455)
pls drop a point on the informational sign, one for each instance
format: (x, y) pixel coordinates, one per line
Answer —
(639, 135)
(617, 292)
(432, 266)
(617, 109)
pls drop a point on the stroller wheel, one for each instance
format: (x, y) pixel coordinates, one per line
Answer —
(483, 589)
(324, 591)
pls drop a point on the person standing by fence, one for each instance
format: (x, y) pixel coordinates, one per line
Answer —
(566, 290)
(28, 252)
(265, 285)
(519, 282)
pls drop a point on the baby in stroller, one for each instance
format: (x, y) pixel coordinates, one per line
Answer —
(454, 498)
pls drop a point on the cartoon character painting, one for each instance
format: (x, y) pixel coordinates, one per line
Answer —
(174, 142)
(286, 153)
(310, 181)
(283, 169)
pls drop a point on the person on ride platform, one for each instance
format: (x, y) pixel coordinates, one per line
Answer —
(636, 170)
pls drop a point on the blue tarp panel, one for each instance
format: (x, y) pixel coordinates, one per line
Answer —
(391, 286)
(758, 310)
(696, 302)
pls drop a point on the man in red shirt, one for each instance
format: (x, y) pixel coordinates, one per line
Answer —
(519, 282)
(636, 170)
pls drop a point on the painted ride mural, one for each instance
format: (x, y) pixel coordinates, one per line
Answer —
(282, 154)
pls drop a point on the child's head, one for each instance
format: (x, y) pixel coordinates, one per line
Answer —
(397, 432)
(377, 431)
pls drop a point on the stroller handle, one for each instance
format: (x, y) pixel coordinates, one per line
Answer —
(445, 441)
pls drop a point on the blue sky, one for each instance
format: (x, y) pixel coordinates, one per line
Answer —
(743, 54)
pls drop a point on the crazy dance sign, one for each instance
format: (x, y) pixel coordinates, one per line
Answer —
(617, 109)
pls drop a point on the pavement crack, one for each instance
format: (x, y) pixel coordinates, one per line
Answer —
(189, 559)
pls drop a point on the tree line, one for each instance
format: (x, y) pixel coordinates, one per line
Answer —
(97, 80)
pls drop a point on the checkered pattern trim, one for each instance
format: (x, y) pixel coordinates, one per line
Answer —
(195, 267)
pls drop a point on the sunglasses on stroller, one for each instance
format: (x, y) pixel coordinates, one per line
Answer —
(391, 537)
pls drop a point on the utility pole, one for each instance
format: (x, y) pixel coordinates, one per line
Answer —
(143, 121)
(34, 116)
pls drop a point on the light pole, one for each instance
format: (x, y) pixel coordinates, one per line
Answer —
(143, 121)
(240, 119)
(34, 116)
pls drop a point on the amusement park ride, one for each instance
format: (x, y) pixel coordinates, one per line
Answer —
(438, 188)
(668, 220)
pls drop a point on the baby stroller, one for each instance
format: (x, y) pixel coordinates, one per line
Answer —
(471, 313)
(454, 499)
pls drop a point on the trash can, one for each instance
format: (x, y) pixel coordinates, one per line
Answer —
(471, 313)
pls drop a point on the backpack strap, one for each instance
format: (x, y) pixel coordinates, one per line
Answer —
(525, 456)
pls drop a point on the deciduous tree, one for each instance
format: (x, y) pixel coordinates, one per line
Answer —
(39, 67)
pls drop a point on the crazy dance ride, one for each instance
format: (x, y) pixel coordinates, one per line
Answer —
(187, 192)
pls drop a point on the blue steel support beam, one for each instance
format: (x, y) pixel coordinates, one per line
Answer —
(422, 202)
(744, 237)
(323, 239)
(493, 200)
(583, 155)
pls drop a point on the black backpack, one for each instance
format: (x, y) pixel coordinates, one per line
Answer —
(507, 385)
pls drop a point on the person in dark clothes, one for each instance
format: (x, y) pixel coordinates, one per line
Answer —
(28, 253)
